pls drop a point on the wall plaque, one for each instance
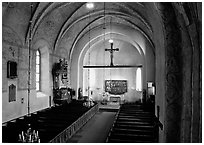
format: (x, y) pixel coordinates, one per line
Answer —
(12, 93)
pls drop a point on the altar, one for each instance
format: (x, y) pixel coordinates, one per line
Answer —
(116, 90)
(116, 99)
(108, 98)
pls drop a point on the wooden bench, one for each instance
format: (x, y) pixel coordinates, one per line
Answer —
(50, 122)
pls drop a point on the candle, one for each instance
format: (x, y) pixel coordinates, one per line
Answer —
(20, 139)
(23, 138)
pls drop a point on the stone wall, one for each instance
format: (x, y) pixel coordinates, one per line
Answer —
(182, 80)
(14, 50)
(189, 18)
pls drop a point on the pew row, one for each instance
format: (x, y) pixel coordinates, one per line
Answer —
(55, 124)
(135, 123)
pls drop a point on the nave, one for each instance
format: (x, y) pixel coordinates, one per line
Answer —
(56, 52)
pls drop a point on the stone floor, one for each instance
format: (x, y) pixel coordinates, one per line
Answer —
(98, 127)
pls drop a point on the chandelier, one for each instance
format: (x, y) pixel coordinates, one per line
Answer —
(29, 136)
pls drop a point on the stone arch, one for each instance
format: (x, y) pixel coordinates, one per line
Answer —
(40, 43)
(78, 48)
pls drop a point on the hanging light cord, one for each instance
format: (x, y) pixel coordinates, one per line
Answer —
(110, 39)
(104, 28)
(89, 57)
(29, 55)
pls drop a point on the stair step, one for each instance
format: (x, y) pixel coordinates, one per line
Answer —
(134, 122)
(116, 140)
(133, 131)
(135, 112)
(122, 118)
(135, 116)
(132, 136)
(132, 108)
(141, 127)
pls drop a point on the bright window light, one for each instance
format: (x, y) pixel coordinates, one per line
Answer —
(92, 78)
(139, 80)
(38, 70)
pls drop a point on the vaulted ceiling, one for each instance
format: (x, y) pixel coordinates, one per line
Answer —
(64, 24)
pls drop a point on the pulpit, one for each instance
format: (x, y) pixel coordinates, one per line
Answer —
(62, 93)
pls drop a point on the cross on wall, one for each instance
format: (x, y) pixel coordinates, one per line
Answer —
(111, 50)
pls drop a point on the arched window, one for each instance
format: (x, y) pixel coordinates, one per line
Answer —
(38, 74)
(139, 79)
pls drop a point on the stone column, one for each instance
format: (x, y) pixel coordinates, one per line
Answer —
(173, 82)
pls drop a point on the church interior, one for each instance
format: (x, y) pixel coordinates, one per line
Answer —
(125, 72)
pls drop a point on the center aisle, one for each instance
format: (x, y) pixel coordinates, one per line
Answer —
(96, 130)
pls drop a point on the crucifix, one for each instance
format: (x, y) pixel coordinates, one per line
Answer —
(111, 50)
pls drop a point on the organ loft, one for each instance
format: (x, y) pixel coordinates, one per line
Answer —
(101, 72)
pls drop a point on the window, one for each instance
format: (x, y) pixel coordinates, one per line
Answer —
(42, 69)
(38, 63)
(92, 78)
(139, 79)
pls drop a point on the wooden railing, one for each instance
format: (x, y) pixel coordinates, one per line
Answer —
(74, 127)
(116, 117)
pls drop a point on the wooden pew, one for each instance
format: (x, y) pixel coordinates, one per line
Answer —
(49, 122)
(134, 124)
